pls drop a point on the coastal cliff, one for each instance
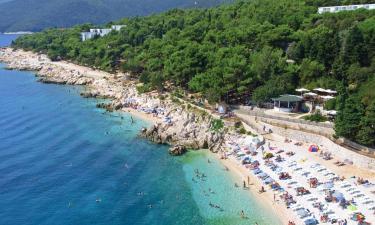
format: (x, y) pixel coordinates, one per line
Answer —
(174, 124)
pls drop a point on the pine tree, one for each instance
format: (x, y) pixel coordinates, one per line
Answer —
(348, 121)
(366, 134)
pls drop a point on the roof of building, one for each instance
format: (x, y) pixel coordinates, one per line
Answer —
(288, 98)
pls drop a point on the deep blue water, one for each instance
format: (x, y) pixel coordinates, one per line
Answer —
(63, 161)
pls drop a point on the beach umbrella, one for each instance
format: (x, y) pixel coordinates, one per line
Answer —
(339, 196)
(352, 207)
(310, 221)
(311, 94)
(313, 148)
(302, 212)
(268, 180)
(328, 185)
(302, 90)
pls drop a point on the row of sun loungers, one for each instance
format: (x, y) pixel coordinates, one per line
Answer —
(328, 197)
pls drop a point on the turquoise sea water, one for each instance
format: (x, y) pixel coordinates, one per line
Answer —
(63, 161)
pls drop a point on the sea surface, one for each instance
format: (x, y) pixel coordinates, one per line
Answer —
(63, 161)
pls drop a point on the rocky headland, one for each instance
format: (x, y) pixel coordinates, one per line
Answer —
(185, 128)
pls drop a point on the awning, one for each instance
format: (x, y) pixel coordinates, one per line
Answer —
(288, 98)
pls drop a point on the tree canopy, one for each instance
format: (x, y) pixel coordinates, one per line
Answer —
(258, 48)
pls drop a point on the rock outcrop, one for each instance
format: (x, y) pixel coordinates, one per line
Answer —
(177, 150)
(186, 129)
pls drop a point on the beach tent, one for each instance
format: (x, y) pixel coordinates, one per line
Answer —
(313, 148)
(267, 155)
(357, 216)
(352, 207)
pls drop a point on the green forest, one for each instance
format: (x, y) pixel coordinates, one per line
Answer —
(255, 49)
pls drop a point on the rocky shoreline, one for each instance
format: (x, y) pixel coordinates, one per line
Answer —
(185, 129)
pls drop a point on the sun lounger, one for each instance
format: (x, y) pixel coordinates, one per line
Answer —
(368, 202)
(354, 192)
(312, 199)
(359, 195)
(345, 185)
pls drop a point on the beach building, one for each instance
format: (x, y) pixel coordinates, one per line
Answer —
(117, 27)
(100, 32)
(287, 103)
(334, 9)
(86, 36)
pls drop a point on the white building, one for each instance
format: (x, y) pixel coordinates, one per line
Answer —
(99, 32)
(117, 27)
(87, 35)
(334, 9)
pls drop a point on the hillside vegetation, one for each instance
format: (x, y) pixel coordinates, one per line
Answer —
(35, 15)
(251, 49)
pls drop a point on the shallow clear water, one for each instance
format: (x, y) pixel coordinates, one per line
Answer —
(63, 161)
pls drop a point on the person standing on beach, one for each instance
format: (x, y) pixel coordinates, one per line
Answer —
(248, 180)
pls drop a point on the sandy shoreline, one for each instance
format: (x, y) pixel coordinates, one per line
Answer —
(240, 174)
(141, 115)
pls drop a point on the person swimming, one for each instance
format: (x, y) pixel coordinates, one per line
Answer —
(98, 200)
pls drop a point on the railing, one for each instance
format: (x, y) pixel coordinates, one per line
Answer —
(357, 147)
(258, 113)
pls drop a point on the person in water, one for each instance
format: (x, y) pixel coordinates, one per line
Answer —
(242, 214)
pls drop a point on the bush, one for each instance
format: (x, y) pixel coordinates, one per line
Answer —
(317, 117)
(330, 104)
(242, 130)
(143, 89)
(217, 125)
